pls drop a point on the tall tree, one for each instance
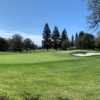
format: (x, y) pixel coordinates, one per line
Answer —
(56, 38)
(46, 37)
(94, 15)
(64, 35)
(72, 41)
(77, 40)
(64, 40)
(81, 40)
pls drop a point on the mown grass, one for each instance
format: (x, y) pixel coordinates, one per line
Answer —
(52, 75)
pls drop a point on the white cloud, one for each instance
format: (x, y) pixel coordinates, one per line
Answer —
(36, 38)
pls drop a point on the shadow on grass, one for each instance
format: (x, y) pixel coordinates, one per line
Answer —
(39, 97)
(29, 96)
(4, 98)
(62, 98)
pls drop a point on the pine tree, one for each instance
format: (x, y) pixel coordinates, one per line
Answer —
(46, 37)
(64, 40)
(56, 38)
(72, 41)
(76, 41)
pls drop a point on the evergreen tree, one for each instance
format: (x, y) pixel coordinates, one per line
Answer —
(72, 41)
(77, 41)
(81, 40)
(46, 43)
(64, 35)
(56, 38)
(64, 40)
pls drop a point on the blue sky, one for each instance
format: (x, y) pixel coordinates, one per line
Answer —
(27, 17)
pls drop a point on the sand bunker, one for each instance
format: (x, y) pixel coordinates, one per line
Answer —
(86, 54)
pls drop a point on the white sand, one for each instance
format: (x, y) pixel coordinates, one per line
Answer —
(87, 54)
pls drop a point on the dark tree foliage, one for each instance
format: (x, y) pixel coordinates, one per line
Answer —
(64, 40)
(72, 41)
(94, 13)
(16, 43)
(56, 38)
(97, 41)
(86, 41)
(89, 41)
(46, 43)
(64, 35)
(77, 40)
(28, 44)
(3, 44)
(80, 40)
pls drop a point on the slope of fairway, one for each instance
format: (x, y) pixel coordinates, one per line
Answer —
(51, 74)
(37, 57)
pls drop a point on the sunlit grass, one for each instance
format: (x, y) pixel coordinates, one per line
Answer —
(51, 74)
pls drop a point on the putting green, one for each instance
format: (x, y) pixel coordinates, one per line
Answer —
(37, 57)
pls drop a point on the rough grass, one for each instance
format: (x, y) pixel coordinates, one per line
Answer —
(52, 75)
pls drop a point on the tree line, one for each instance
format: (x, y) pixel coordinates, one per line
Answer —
(16, 43)
(60, 40)
(81, 40)
(52, 40)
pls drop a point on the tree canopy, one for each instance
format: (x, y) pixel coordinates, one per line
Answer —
(94, 13)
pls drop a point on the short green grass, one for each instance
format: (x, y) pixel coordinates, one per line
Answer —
(49, 74)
